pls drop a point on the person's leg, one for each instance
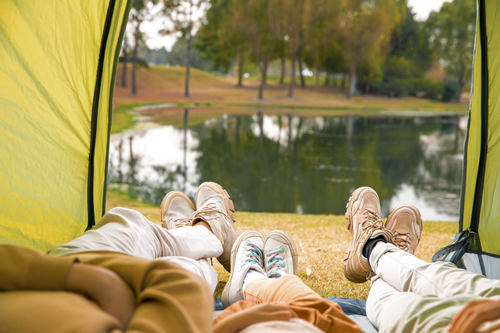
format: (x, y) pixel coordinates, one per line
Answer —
(128, 231)
(406, 273)
(201, 267)
(168, 297)
(248, 281)
(393, 311)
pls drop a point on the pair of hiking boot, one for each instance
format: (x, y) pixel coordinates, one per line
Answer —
(213, 206)
(402, 228)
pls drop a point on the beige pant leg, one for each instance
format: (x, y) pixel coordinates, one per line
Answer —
(201, 267)
(411, 295)
(393, 311)
(405, 272)
(128, 231)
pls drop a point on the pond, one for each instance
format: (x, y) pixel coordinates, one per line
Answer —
(278, 162)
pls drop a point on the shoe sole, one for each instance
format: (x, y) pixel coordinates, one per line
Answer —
(165, 202)
(225, 292)
(348, 216)
(286, 239)
(227, 199)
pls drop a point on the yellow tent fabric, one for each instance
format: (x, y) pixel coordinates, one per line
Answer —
(481, 195)
(57, 65)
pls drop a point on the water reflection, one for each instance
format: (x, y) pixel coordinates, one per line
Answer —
(283, 163)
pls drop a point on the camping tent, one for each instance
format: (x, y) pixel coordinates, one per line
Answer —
(477, 245)
(57, 66)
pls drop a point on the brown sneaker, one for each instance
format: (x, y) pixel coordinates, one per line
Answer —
(364, 221)
(405, 224)
(215, 207)
(176, 210)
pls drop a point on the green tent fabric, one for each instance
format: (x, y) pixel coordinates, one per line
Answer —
(477, 245)
(57, 66)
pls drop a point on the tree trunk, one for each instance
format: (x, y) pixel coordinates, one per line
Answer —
(327, 79)
(241, 61)
(188, 63)
(134, 61)
(283, 69)
(316, 73)
(342, 84)
(352, 79)
(461, 83)
(291, 87)
(301, 75)
(125, 59)
(263, 78)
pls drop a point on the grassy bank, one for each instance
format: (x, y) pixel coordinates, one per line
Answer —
(160, 84)
(321, 241)
(123, 118)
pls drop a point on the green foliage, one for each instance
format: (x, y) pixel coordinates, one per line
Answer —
(177, 56)
(451, 33)
(215, 40)
(419, 87)
(451, 91)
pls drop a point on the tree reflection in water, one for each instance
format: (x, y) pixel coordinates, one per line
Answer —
(282, 163)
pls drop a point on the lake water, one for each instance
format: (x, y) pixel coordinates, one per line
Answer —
(303, 164)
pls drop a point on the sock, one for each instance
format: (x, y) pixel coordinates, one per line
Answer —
(370, 244)
(252, 275)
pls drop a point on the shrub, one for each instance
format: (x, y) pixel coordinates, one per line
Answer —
(450, 91)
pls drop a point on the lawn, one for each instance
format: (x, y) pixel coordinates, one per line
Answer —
(321, 241)
(160, 84)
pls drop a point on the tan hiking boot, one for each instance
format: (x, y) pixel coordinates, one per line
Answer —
(405, 224)
(176, 210)
(364, 221)
(215, 207)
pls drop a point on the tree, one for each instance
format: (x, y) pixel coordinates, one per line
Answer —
(451, 32)
(185, 14)
(291, 21)
(124, 60)
(139, 12)
(366, 26)
(253, 24)
(177, 55)
(221, 41)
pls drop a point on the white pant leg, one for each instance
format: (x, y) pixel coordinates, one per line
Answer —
(393, 311)
(200, 267)
(128, 231)
(405, 272)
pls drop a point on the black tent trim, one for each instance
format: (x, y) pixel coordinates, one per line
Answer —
(110, 107)
(95, 111)
(478, 194)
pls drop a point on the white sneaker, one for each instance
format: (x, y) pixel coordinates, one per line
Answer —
(215, 207)
(246, 254)
(176, 210)
(280, 254)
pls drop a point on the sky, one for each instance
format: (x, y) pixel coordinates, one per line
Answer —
(421, 8)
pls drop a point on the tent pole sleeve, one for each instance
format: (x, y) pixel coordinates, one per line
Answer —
(95, 110)
(478, 194)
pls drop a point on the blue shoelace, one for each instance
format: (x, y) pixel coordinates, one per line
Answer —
(254, 255)
(275, 263)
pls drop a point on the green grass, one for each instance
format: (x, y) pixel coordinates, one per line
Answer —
(123, 118)
(321, 241)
